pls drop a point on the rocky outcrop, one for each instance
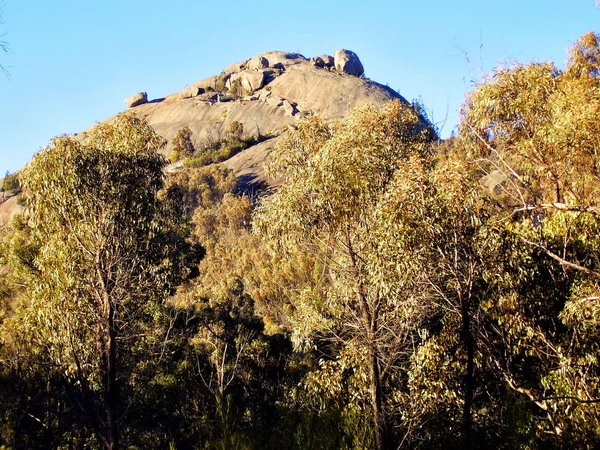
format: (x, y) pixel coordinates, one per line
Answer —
(328, 60)
(274, 102)
(268, 102)
(347, 62)
(9, 208)
(191, 91)
(251, 81)
(317, 61)
(495, 182)
(137, 99)
(289, 108)
(257, 63)
(234, 68)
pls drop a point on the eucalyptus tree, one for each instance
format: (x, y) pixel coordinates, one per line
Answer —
(107, 246)
(534, 130)
(337, 176)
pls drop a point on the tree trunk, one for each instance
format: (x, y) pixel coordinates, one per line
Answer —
(469, 380)
(108, 343)
(110, 391)
(381, 438)
(369, 319)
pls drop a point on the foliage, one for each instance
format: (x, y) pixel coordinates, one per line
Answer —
(236, 88)
(182, 144)
(394, 292)
(337, 176)
(11, 183)
(105, 250)
(536, 127)
(221, 150)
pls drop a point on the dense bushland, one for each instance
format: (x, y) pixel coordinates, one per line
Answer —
(395, 292)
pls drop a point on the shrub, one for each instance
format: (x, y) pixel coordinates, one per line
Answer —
(11, 182)
(236, 88)
(182, 143)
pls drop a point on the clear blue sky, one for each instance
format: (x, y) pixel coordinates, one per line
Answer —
(72, 62)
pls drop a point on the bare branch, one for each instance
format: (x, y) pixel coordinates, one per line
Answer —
(561, 260)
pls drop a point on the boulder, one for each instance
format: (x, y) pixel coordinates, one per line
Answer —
(328, 60)
(347, 62)
(317, 61)
(210, 97)
(191, 91)
(258, 63)
(137, 99)
(251, 81)
(234, 68)
(264, 95)
(283, 59)
(496, 182)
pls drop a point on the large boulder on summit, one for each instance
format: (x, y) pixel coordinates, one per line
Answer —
(137, 99)
(347, 62)
(257, 63)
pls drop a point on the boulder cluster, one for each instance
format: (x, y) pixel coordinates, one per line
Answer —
(342, 61)
(243, 79)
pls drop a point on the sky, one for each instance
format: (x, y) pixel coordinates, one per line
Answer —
(72, 62)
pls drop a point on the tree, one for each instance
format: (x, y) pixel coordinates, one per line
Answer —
(109, 248)
(183, 147)
(11, 182)
(337, 176)
(533, 130)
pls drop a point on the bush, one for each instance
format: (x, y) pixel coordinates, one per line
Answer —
(236, 88)
(182, 144)
(174, 156)
(224, 149)
(11, 183)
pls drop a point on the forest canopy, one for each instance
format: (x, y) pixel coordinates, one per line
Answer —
(396, 291)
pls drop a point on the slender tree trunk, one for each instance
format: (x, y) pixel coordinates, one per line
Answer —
(111, 388)
(381, 437)
(469, 380)
(370, 321)
(108, 343)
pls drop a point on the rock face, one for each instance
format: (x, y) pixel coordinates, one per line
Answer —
(347, 62)
(251, 81)
(137, 99)
(269, 101)
(236, 67)
(289, 109)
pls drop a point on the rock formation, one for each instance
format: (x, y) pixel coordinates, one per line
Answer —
(347, 62)
(275, 90)
(137, 99)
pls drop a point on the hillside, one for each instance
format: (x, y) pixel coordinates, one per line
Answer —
(395, 291)
(274, 91)
(267, 94)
